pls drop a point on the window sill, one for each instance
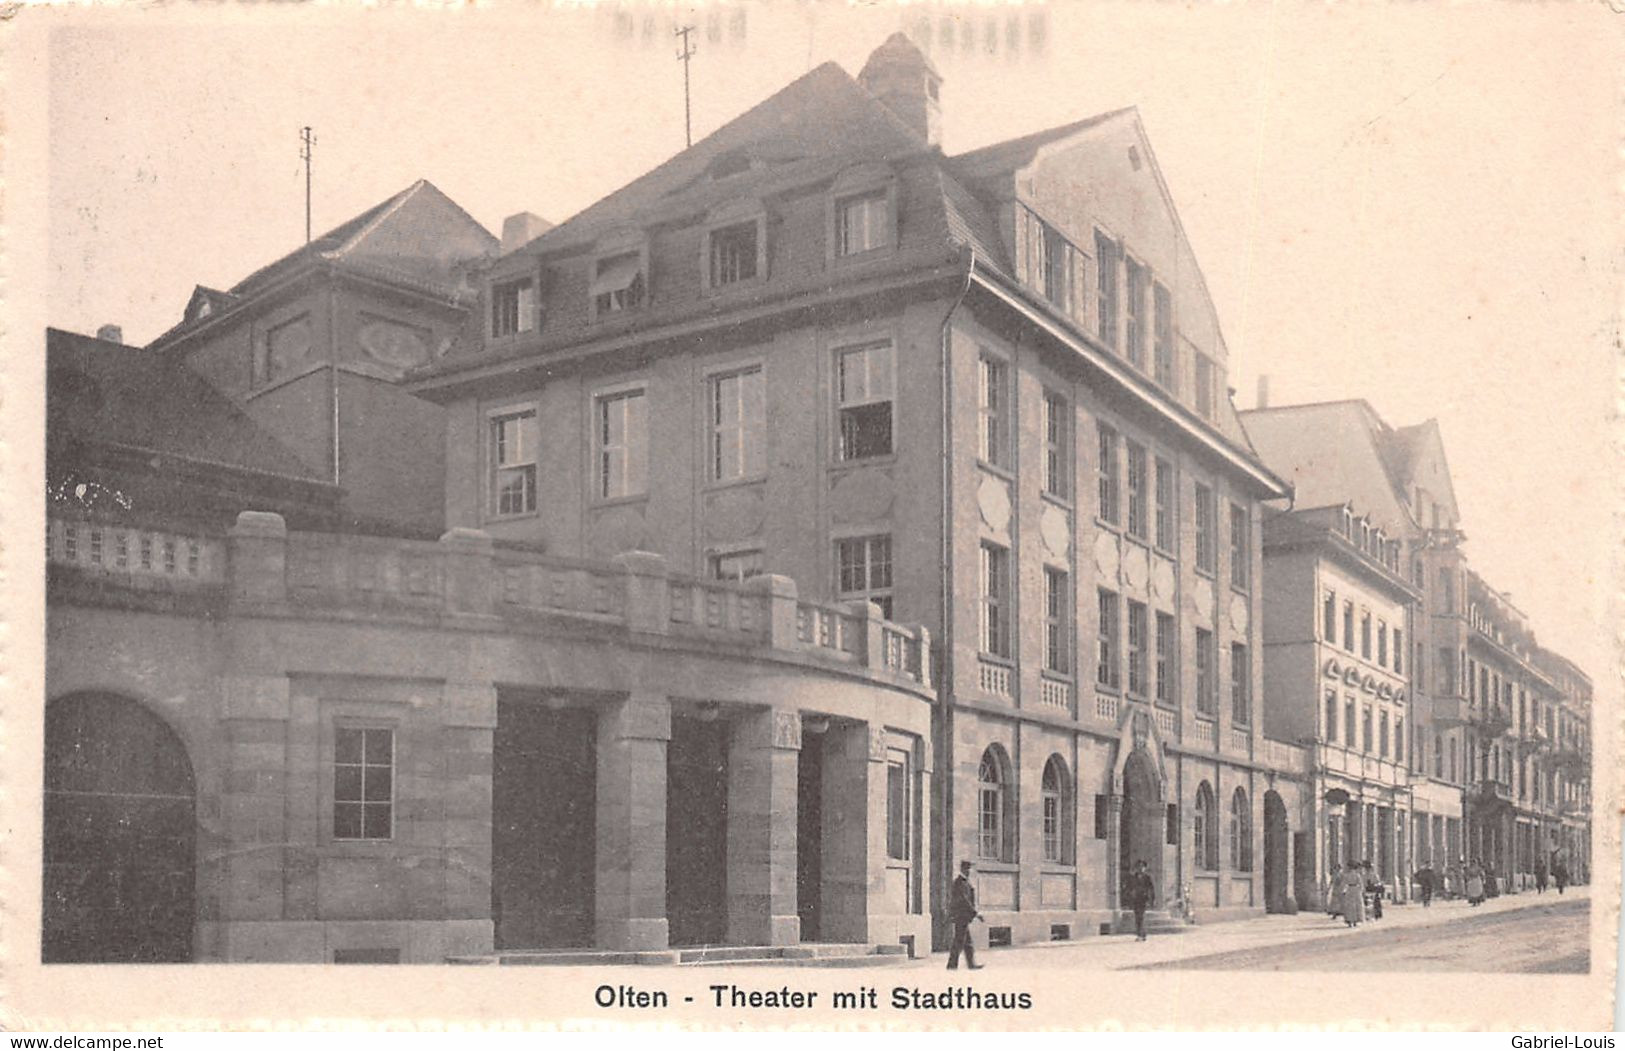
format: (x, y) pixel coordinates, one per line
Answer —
(1244, 590)
(710, 291)
(1055, 676)
(1208, 573)
(1107, 688)
(1165, 552)
(1058, 499)
(732, 483)
(994, 865)
(996, 470)
(994, 658)
(518, 516)
(617, 501)
(1110, 527)
(865, 256)
(882, 460)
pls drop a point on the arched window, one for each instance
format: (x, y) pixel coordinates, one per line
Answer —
(1058, 827)
(1206, 828)
(994, 800)
(1241, 832)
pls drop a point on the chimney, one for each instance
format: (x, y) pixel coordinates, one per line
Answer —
(521, 229)
(903, 79)
(110, 333)
(1263, 392)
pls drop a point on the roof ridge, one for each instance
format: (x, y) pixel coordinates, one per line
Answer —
(390, 206)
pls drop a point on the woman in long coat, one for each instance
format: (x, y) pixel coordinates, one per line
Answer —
(1475, 884)
(1353, 885)
(1334, 892)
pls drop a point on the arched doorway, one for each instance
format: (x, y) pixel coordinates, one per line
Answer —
(120, 835)
(1276, 839)
(1141, 833)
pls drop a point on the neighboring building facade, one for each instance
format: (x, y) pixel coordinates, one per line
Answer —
(1337, 616)
(314, 345)
(1475, 683)
(986, 393)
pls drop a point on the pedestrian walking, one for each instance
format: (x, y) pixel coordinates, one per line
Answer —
(1373, 887)
(1334, 892)
(1424, 883)
(962, 910)
(1560, 875)
(1540, 875)
(1140, 893)
(1353, 895)
(1475, 883)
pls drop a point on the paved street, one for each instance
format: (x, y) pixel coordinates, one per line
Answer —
(1522, 933)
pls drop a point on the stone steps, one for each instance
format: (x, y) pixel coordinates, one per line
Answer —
(1157, 921)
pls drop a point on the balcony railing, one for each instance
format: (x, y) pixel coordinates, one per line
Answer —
(1491, 720)
(464, 574)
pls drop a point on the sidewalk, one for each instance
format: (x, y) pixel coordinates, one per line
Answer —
(1116, 952)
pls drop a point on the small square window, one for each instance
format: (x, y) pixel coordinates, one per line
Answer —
(736, 565)
(619, 283)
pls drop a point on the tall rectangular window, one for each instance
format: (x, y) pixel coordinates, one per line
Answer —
(738, 425)
(1349, 740)
(1107, 472)
(1382, 643)
(994, 413)
(899, 808)
(1204, 528)
(1328, 616)
(1165, 504)
(864, 570)
(1057, 263)
(1399, 652)
(1057, 622)
(513, 463)
(862, 223)
(1365, 634)
(363, 783)
(513, 307)
(1382, 735)
(995, 600)
(1137, 630)
(733, 253)
(1240, 547)
(1106, 256)
(1241, 700)
(1399, 738)
(1366, 729)
(1139, 495)
(1162, 308)
(1057, 446)
(1167, 666)
(1207, 683)
(863, 396)
(623, 445)
(1331, 716)
(1106, 670)
(1204, 385)
(1134, 330)
(1348, 626)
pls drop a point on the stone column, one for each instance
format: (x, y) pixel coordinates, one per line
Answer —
(1114, 850)
(630, 896)
(844, 872)
(762, 829)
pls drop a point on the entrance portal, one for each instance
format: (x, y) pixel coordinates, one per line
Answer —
(1275, 853)
(543, 825)
(697, 831)
(1142, 831)
(120, 835)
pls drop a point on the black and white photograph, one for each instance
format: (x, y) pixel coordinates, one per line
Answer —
(724, 506)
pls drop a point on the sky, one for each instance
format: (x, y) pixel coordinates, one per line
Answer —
(1412, 204)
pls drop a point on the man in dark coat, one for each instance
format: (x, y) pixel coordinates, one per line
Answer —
(1540, 875)
(1138, 895)
(962, 910)
(1424, 882)
(1560, 875)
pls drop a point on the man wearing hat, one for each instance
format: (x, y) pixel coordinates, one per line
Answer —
(962, 910)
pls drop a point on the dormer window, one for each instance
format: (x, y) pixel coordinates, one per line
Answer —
(862, 223)
(513, 307)
(735, 245)
(618, 283)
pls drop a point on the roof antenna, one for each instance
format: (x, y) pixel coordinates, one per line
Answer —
(685, 56)
(307, 140)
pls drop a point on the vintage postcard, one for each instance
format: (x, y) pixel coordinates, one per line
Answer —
(934, 515)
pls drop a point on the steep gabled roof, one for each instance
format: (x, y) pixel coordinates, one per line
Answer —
(1019, 152)
(823, 118)
(415, 237)
(111, 394)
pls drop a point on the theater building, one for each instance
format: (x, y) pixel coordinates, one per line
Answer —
(1337, 616)
(984, 392)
